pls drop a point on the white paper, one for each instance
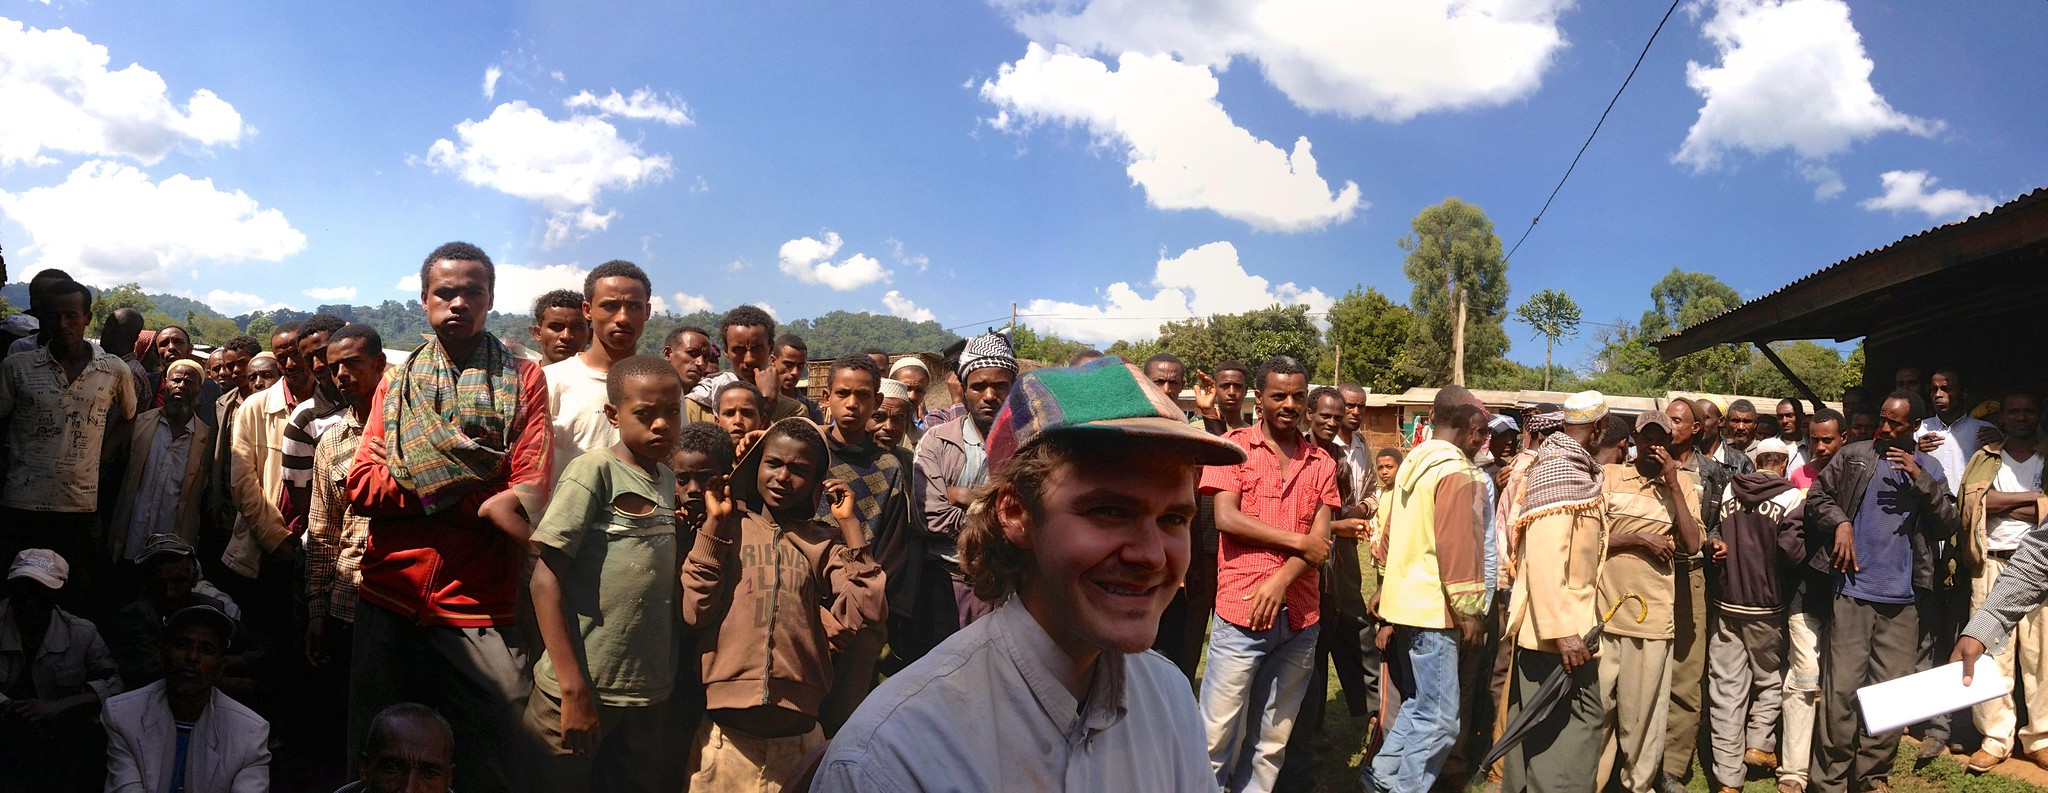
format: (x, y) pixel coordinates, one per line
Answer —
(1918, 697)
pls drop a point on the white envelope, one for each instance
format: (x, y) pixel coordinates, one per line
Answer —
(1918, 697)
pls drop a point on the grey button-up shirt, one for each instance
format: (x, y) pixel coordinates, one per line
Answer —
(986, 711)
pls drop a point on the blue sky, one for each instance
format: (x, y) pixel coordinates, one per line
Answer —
(1104, 164)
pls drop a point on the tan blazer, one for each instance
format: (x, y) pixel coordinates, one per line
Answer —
(257, 479)
(1557, 580)
(191, 497)
(229, 750)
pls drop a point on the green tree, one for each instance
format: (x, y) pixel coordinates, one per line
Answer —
(1820, 367)
(1461, 291)
(262, 327)
(128, 295)
(1045, 348)
(1681, 300)
(840, 332)
(1252, 337)
(1137, 352)
(1255, 336)
(1372, 333)
(1513, 376)
(1194, 341)
(1623, 362)
(214, 330)
(1555, 316)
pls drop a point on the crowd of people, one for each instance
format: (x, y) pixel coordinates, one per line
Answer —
(568, 565)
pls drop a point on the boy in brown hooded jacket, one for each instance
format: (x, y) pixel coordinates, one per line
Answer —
(775, 592)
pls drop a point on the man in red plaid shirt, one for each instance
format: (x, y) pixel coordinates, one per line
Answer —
(1273, 512)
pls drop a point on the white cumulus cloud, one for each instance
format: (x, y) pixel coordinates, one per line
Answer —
(233, 303)
(904, 307)
(1793, 76)
(565, 165)
(644, 105)
(809, 260)
(905, 258)
(59, 96)
(1386, 59)
(1197, 283)
(491, 76)
(686, 303)
(1910, 190)
(329, 294)
(518, 284)
(107, 223)
(1181, 147)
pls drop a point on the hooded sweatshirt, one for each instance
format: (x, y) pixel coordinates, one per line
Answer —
(1433, 545)
(1761, 519)
(767, 608)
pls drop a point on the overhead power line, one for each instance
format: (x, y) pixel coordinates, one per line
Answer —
(1596, 130)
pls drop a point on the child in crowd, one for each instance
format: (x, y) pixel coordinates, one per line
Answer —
(740, 410)
(605, 595)
(772, 592)
(703, 459)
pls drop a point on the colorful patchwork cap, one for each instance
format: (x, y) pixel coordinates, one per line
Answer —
(1106, 395)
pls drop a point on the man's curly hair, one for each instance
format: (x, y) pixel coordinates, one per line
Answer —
(993, 565)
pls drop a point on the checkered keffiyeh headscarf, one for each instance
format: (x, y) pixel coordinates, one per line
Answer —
(1565, 478)
(988, 350)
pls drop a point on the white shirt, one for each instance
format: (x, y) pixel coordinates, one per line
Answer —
(1959, 445)
(576, 401)
(1358, 458)
(2003, 534)
(986, 711)
(163, 480)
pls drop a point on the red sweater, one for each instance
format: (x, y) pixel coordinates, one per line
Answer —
(453, 568)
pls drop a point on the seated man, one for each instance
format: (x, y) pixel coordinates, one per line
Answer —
(410, 749)
(1081, 538)
(169, 574)
(54, 671)
(181, 733)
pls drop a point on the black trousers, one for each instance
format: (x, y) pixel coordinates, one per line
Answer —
(1866, 643)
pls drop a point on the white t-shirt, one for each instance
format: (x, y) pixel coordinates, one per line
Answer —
(2003, 534)
(576, 401)
(1955, 452)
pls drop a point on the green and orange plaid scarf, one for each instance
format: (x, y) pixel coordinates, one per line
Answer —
(445, 427)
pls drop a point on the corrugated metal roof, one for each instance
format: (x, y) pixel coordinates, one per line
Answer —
(2039, 195)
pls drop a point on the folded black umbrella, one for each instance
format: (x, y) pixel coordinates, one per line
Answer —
(1553, 688)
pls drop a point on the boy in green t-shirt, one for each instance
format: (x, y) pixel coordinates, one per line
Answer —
(607, 595)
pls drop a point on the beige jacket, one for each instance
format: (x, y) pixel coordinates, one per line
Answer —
(257, 479)
(229, 750)
(1557, 580)
(191, 498)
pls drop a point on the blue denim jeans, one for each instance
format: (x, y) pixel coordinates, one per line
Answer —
(1426, 727)
(1250, 696)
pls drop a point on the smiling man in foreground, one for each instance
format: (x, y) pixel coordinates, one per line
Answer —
(1081, 538)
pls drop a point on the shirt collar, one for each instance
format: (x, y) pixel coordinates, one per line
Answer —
(164, 417)
(1036, 656)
